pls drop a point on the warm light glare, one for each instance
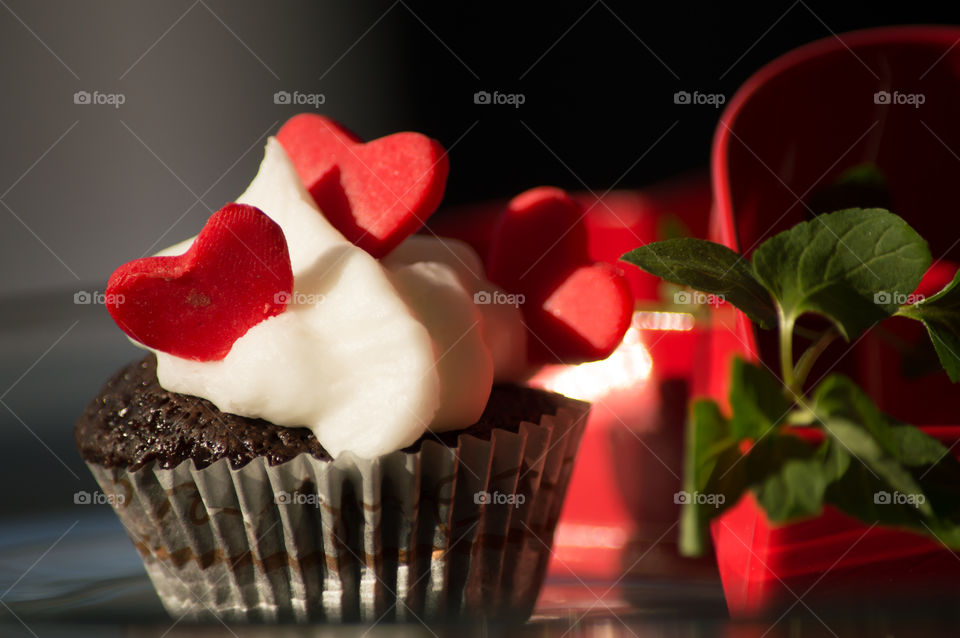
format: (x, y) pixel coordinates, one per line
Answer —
(663, 320)
(573, 535)
(628, 365)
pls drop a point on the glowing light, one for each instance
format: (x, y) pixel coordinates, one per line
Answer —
(628, 365)
(574, 535)
(663, 320)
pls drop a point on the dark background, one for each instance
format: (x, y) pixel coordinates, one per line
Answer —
(85, 188)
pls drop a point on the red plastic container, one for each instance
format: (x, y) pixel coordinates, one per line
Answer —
(794, 127)
(826, 560)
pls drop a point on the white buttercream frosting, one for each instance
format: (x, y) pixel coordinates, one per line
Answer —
(368, 355)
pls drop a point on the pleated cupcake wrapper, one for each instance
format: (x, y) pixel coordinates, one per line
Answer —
(441, 533)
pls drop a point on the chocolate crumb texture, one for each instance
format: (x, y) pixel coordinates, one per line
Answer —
(134, 421)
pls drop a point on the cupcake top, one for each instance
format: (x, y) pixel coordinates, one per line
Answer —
(308, 303)
(134, 421)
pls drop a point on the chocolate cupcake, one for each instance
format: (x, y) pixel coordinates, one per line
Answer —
(332, 424)
(246, 520)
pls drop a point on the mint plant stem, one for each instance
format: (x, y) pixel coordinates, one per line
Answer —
(811, 354)
(786, 350)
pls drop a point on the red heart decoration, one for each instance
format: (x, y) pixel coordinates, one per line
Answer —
(375, 193)
(575, 310)
(196, 305)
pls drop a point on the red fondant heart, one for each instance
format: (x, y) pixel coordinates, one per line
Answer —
(375, 193)
(575, 310)
(196, 305)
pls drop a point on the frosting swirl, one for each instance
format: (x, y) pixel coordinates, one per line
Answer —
(369, 355)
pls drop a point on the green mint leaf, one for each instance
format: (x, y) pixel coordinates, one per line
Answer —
(851, 418)
(835, 460)
(934, 512)
(712, 469)
(918, 449)
(850, 266)
(941, 483)
(795, 491)
(838, 397)
(710, 268)
(940, 314)
(898, 475)
(707, 430)
(864, 448)
(756, 400)
(710, 432)
(788, 478)
(861, 493)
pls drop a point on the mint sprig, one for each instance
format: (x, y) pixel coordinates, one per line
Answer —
(853, 267)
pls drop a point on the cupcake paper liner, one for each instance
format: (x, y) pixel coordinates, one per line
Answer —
(441, 533)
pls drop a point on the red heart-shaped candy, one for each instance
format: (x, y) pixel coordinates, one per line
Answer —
(196, 305)
(575, 310)
(375, 193)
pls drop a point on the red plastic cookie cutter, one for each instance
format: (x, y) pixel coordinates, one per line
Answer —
(794, 126)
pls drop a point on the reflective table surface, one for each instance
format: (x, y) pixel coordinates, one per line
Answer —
(69, 576)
